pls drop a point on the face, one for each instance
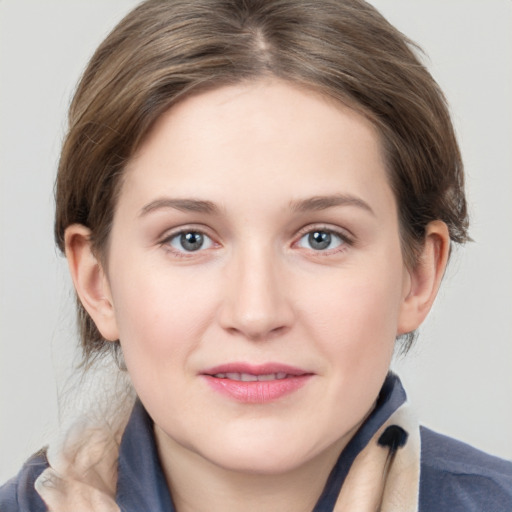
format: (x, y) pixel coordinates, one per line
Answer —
(256, 275)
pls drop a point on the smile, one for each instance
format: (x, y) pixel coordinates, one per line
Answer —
(249, 377)
(255, 384)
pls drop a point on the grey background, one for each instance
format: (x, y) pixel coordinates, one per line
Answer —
(459, 375)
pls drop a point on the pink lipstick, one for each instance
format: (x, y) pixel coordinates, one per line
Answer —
(255, 384)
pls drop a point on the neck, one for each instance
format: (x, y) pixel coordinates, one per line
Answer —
(198, 485)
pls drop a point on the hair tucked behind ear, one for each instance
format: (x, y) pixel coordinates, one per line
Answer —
(167, 49)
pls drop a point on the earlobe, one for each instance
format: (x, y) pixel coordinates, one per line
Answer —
(425, 278)
(90, 280)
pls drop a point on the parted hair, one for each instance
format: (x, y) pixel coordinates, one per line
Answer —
(165, 50)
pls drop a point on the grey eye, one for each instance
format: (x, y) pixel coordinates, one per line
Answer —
(320, 240)
(190, 241)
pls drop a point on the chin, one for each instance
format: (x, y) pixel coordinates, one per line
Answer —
(259, 458)
(258, 465)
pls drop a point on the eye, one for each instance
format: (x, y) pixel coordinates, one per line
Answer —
(190, 241)
(321, 240)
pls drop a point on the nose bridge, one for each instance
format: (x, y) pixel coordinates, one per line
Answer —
(256, 302)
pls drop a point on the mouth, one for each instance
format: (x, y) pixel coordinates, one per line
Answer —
(250, 377)
(256, 384)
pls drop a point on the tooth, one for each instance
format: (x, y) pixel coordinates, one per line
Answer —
(247, 377)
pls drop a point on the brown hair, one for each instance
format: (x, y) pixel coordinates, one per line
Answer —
(166, 49)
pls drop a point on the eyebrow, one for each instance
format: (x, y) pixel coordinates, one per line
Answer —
(317, 203)
(184, 205)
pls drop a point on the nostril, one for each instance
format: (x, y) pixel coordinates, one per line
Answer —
(258, 334)
(279, 330)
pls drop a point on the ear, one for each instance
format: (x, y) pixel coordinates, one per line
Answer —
(90, 280)
(425, 278)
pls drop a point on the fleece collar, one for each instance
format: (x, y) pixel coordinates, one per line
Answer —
(377, 471)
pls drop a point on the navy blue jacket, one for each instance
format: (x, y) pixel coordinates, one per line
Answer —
(454, 476)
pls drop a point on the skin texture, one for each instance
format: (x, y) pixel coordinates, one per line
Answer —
(258, 156)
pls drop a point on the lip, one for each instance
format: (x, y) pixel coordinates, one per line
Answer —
(256, 392)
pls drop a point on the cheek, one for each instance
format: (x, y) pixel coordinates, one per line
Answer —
(161, 317)
(359, 307)
(161, 323)
(355, 324)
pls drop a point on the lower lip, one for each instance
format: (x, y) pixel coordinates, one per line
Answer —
(257, 392)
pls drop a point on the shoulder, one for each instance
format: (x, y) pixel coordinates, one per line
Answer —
(18, 494)
(457, 477)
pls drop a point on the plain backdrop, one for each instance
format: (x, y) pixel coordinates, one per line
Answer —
(459, 375)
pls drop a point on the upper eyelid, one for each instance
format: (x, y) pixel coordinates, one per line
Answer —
(165, 242)
(344, 233)
(192, 228)
(171, 233)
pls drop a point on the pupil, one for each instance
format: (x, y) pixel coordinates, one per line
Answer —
(191, 241)
(319, 240)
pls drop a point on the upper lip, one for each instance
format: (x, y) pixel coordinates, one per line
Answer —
(255, 369)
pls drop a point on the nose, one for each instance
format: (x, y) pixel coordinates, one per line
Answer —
(256, 301)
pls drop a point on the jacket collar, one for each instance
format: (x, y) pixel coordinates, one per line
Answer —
(141, 482)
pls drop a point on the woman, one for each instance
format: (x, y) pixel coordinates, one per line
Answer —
(256, 199)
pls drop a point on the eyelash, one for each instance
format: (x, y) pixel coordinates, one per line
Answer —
(345, 240)
(166, 242)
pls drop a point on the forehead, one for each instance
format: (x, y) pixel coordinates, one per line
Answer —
(276, 139)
